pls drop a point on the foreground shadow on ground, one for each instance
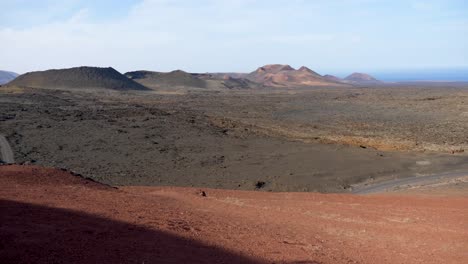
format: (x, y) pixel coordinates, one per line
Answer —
(38, 234)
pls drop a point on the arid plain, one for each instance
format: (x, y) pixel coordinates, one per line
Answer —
(321, 139)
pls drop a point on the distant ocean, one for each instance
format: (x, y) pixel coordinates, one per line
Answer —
(453, 75)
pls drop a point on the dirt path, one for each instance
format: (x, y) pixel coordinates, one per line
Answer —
(396, 184)
(7, 154)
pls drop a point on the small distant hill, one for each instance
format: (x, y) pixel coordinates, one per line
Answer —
(76, 78)
(6, 77)
(280, 75)
(157, 80)
(361, 78)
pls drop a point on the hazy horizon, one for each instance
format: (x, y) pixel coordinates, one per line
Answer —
(398, 75)
(383, 38)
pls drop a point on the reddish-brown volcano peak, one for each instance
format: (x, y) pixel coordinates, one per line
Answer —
(279, 75)
(274, 68)
(305, 69)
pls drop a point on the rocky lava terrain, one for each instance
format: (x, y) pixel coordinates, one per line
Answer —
(234, 140)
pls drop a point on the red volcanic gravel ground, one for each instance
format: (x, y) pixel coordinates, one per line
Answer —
(51, 216)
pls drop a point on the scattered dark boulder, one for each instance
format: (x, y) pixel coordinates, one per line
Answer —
(260, 184)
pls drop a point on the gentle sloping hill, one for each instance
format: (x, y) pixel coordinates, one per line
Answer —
(6, 76)
(76, 78)
(155, 80)
(180, 79)
(361, 78)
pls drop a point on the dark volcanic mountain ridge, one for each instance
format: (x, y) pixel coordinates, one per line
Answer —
(75, 78)
(176, 78)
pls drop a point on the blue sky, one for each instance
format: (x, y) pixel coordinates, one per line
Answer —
(239, 35)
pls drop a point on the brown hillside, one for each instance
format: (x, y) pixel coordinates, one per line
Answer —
(332, 78)
(49, 216)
